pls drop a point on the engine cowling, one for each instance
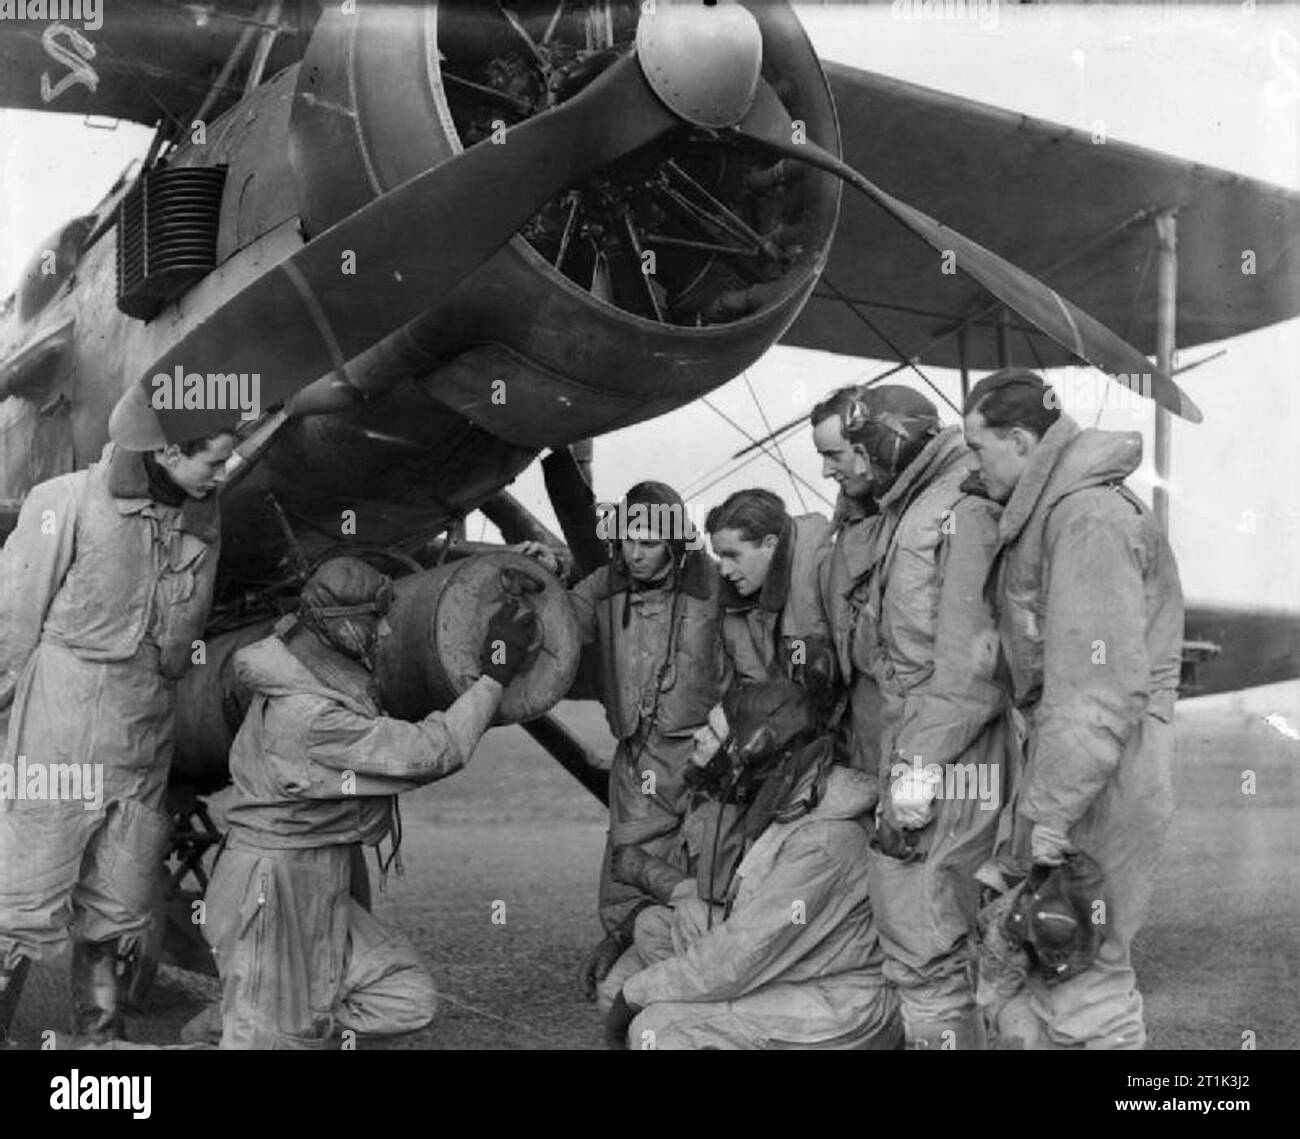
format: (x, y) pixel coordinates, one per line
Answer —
(644, 287)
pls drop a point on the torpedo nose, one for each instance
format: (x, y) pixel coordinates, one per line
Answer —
(702, 59)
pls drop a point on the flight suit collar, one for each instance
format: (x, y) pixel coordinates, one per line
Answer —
(943, 452)
(936, 456)
(854, 525)
(1033, 480)
(128, 483)
(849, 510)
(295, 654)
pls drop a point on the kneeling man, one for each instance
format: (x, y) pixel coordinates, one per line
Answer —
(791, 959)
(317, 768)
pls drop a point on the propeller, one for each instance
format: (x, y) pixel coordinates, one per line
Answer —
(306, 317)
(575, 507)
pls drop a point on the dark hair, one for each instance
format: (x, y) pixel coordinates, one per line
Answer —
(755, 512)
(1014, 397)
(192, 447)
(837, 403)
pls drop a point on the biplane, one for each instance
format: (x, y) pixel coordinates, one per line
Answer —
(449, 237)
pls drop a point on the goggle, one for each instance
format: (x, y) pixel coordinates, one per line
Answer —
(378, 605)
(859, 417)
(856, 417)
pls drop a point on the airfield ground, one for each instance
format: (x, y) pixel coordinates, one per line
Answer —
(1219, 957)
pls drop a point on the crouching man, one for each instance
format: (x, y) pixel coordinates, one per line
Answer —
(791, 958)
(316, 768)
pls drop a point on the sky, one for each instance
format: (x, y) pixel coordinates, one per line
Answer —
(1215, 85)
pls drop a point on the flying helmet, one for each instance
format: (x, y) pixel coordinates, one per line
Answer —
(893, 424)
(1052, 919)
(775, 751)
(662, 510)
(344, 602)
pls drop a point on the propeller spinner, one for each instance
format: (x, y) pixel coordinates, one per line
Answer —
(702, 60)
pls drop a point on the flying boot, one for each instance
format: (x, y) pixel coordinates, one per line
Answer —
(101, 976)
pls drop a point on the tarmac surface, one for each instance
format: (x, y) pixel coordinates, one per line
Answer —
(502, 860)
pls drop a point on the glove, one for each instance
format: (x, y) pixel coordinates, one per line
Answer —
(710, 779)
(819, 670)
(627, 863)
(557, 562)
(600, 960)
(1048, 847)
(911, 798)
(510, 632)
(654, 876)
(617, 1022)
(707, 744)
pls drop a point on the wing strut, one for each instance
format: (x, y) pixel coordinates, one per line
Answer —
(1166, 224)
(220, 83)
(778, 458)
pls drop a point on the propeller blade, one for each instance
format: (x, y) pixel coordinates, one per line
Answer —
(308, 315)
(768, 122)
(575, 508)
(571, 753)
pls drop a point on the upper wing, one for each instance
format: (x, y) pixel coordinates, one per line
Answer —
(148, 59)
(1074, 213)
